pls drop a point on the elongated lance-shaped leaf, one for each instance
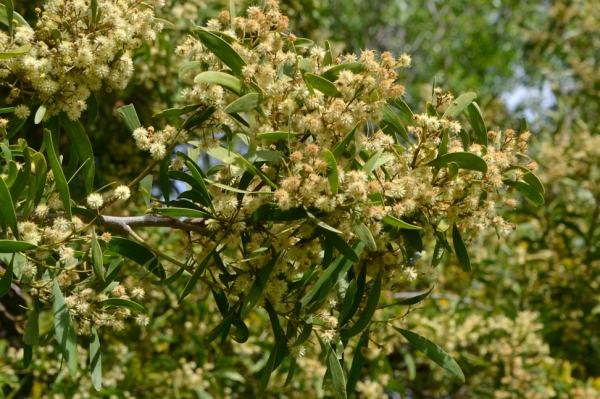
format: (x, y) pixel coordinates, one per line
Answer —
(222, 79)
(433, 352)
(333, 73)
(305, 334)
(332, 172)
(335, 271)
(175, 112)
(97, 260)
(6, 280)
(337, 373)
(266, 372)
(358, 361)
(163, 178)
(322, 84)
(222, 50)
(95, 359)
(129, 116)
(137, 253)
(410, 301)
(190, 66)
(401, 105)
(6, 55)
(532, 194)
(245, 103)
(459, 105)
(10, 13)
(367, 313)
(123, 303)
(364, 234)
(64, 329)
(392, 124)
(59, 176)
(23, 175)
(32, 329)
(464, 160)
(8, 215)
(392, 221)
(81, 143)
(195, 276)
(258, 287)
(343, 145)
(5, 20)
(477, 123)
(460, 249)
(341, 245)
(10, 246)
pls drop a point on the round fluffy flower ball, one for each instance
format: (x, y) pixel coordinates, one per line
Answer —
(122, 192)
(22, 111)
(95, 201)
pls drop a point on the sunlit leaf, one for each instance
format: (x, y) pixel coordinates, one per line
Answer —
(64, 329)
(464, 160)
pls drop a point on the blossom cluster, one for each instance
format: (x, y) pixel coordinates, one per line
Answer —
(376, 176)
(74, 52)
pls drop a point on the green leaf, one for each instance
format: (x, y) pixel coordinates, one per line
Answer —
(39, 115)
(94, 8)
(166, 24)
(6, 55)
(367, 313)
(530, 178)
(357, 362)
(10, 13)
(433, 352)
(5, 20)
(291, 372)
(7, 210)
(95, 359)
(137, 253)
(64, 329)
(174, 277)
(83, 148)
(333, 73)
(258, 287)
(322, 84)
(175, 112)
(278, 135)
(266, 372)
(305, 333)
(341, 245)
(242, 333)
(305, 66)
(303, 42)
(337, 374)
(222, 79)
(401, 105)
(364, 234)
(198, 118)
(460, 249)
(146, 189)
(328, 59)
(392, 221)
(341, 146)
(9, 246)
(335, 271)
(245, 103)
(163, 178)
(12, 173)
(459, 105)
(195, 276)
(129, 116)
(97, 260)
(183, 212)
(464, 160)
(23, 175)
(41, 169)
(32, 329)
(123, 303)
(198, 177)
(528, 191)
(222, 50)
(92, 104)
(410, 301)
(332, 171)
(190, 66)
(477, 123)
(6, 280)
(392, 124)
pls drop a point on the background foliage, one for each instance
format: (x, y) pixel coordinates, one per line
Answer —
(522, 324)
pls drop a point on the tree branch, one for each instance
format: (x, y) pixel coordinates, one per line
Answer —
(149, 220)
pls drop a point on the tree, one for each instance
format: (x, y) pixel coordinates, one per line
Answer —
(321, 192)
